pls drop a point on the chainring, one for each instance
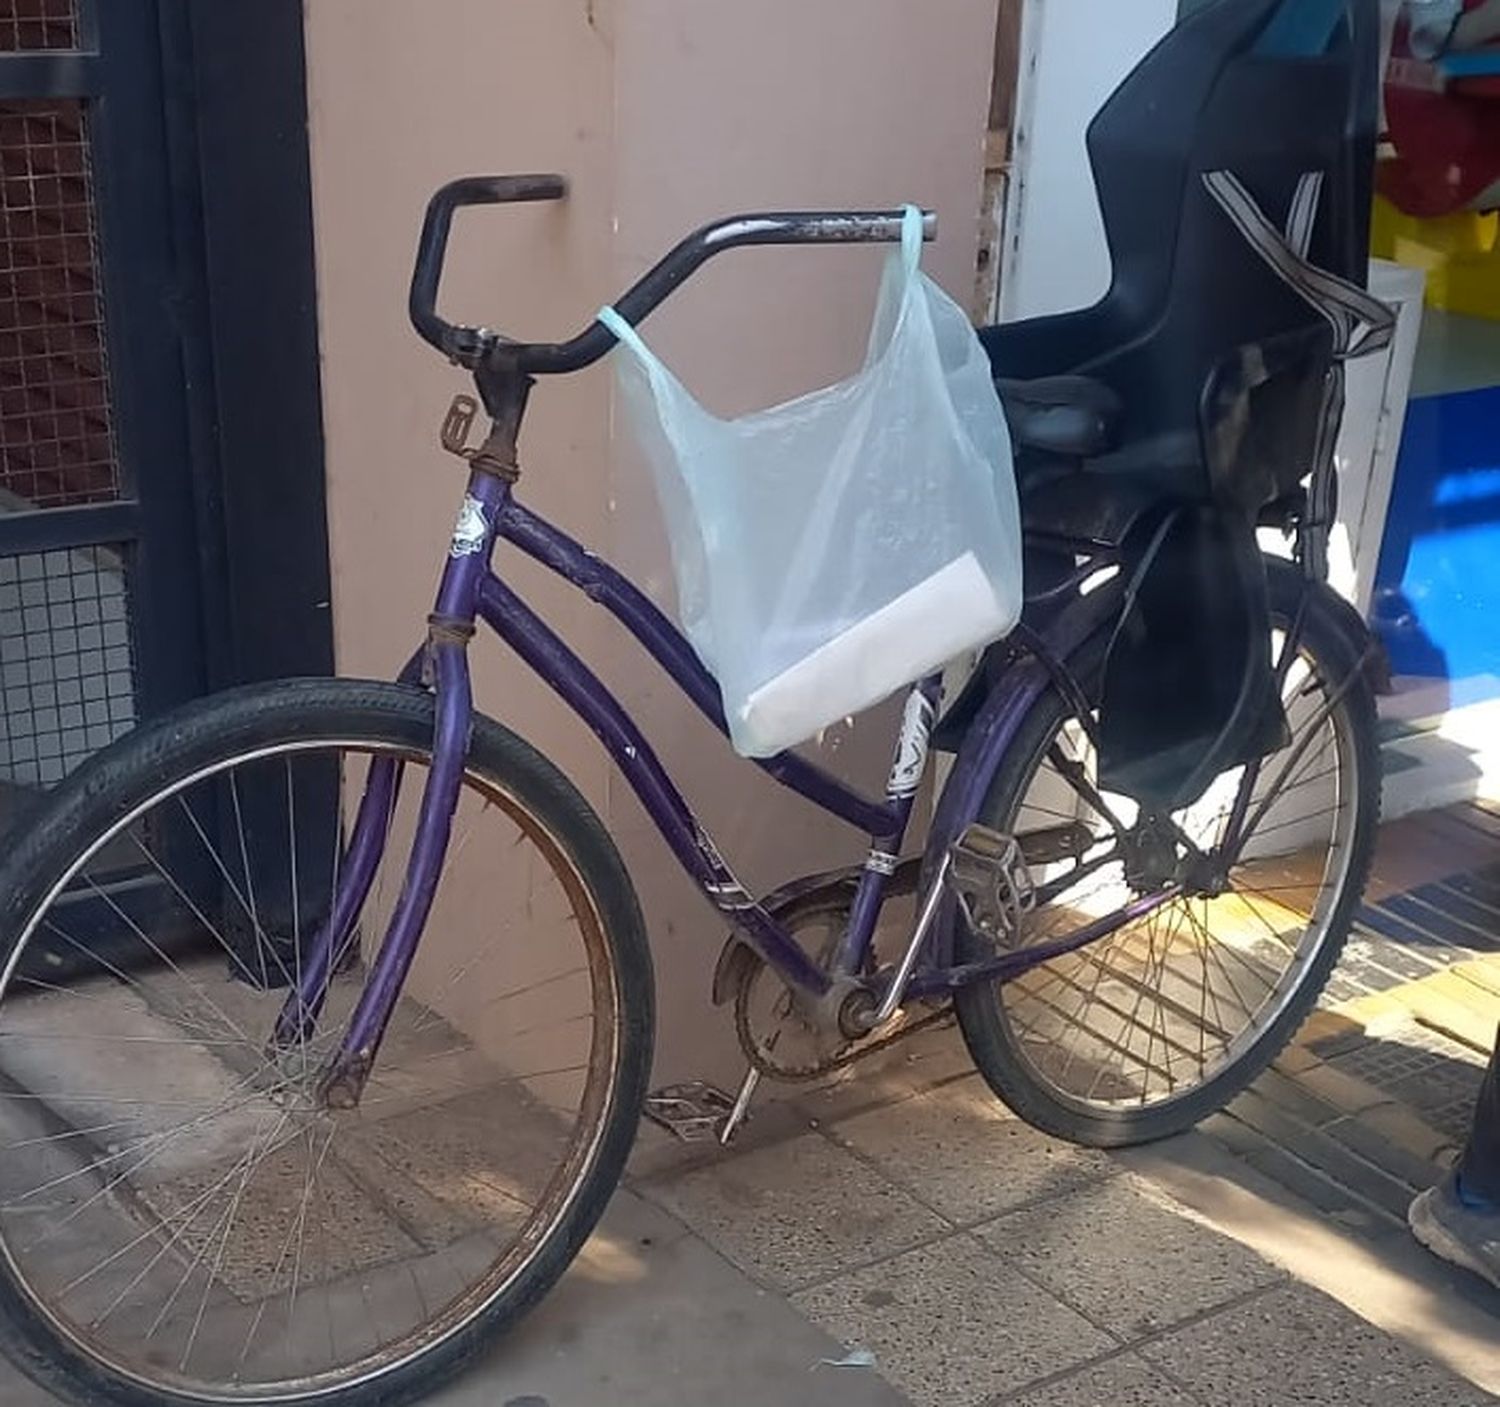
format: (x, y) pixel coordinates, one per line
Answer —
(774, 1036)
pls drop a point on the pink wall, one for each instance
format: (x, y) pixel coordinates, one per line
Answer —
(664, 113)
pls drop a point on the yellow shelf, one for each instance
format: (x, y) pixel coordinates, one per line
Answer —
(1459, 253)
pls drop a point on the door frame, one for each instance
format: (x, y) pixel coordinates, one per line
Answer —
(235, 90)
(197, 125)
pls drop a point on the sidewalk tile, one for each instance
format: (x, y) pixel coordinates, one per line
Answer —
(1297, 1345)
(951, 1325)
(674, 1326)
(1380, 1141)
(1313, 1147)
(1346, 1092)
(966, 1156)
(1295, 1059)
(1117, 1382)
(1124, 1260)
(796, 1212)
(1292, 1097)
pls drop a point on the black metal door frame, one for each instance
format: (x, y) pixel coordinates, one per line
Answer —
(197, 126)
(116, 72)
(235, 91)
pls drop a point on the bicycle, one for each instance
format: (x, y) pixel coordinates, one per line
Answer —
(262, 1146)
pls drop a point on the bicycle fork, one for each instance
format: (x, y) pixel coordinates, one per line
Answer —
(445, 668)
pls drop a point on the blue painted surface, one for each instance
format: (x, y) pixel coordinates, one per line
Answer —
(1483, 63)
(1302, 28)
(1437, 602)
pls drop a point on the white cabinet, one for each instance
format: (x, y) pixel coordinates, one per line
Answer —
(1074, 54)
(1375, 410)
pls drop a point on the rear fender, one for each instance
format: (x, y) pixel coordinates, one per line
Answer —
(1019, 684)
(1016, 688)
(1364, 644)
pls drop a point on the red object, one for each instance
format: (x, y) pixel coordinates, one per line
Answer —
(1447, 136)
(1486, 88)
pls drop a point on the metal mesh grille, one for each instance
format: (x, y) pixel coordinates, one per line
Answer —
(1438, 1077)
(67, 680)
(56, 445)
(38, 24)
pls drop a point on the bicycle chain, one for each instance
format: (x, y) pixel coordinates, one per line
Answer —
(841, 1060)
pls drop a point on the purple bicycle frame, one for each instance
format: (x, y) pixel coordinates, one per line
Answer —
(470, 592)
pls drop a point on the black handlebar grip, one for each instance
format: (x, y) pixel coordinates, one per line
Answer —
(428, 273)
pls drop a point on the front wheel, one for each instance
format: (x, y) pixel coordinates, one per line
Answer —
(1145, 1032)
(183, 1219)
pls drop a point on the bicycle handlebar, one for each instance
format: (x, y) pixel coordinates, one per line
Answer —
(468, 346)
(455, 342)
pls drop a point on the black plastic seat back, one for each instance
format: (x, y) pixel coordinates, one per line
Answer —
(1232, 166)
(1267, 90)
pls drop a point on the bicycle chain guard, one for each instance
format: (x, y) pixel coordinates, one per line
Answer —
(991, 879)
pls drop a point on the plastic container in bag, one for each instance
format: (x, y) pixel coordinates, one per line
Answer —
(833, 549)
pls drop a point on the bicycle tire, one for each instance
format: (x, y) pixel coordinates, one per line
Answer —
(991, 1045)
(146, 763)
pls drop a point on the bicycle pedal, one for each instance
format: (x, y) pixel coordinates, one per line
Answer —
(694, 1111)
(989, 875)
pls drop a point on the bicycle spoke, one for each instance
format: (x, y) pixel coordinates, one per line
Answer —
(263, 942)
(294, 980)
(1154, 1009)
(166, 961)
(176, 1194)
(231, 1212)
(74, 994)
(1076, 777)
(153, 1143)
(251, 908)
(1213, 949)
(1302, 820)
(286, 1247)
(1154, 963)
(465, 968)
(301, 1226)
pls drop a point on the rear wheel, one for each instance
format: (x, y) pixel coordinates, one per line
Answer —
(1147, 1031)
(182, 1219)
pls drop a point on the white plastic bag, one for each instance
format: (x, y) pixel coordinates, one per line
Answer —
(833, 549)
